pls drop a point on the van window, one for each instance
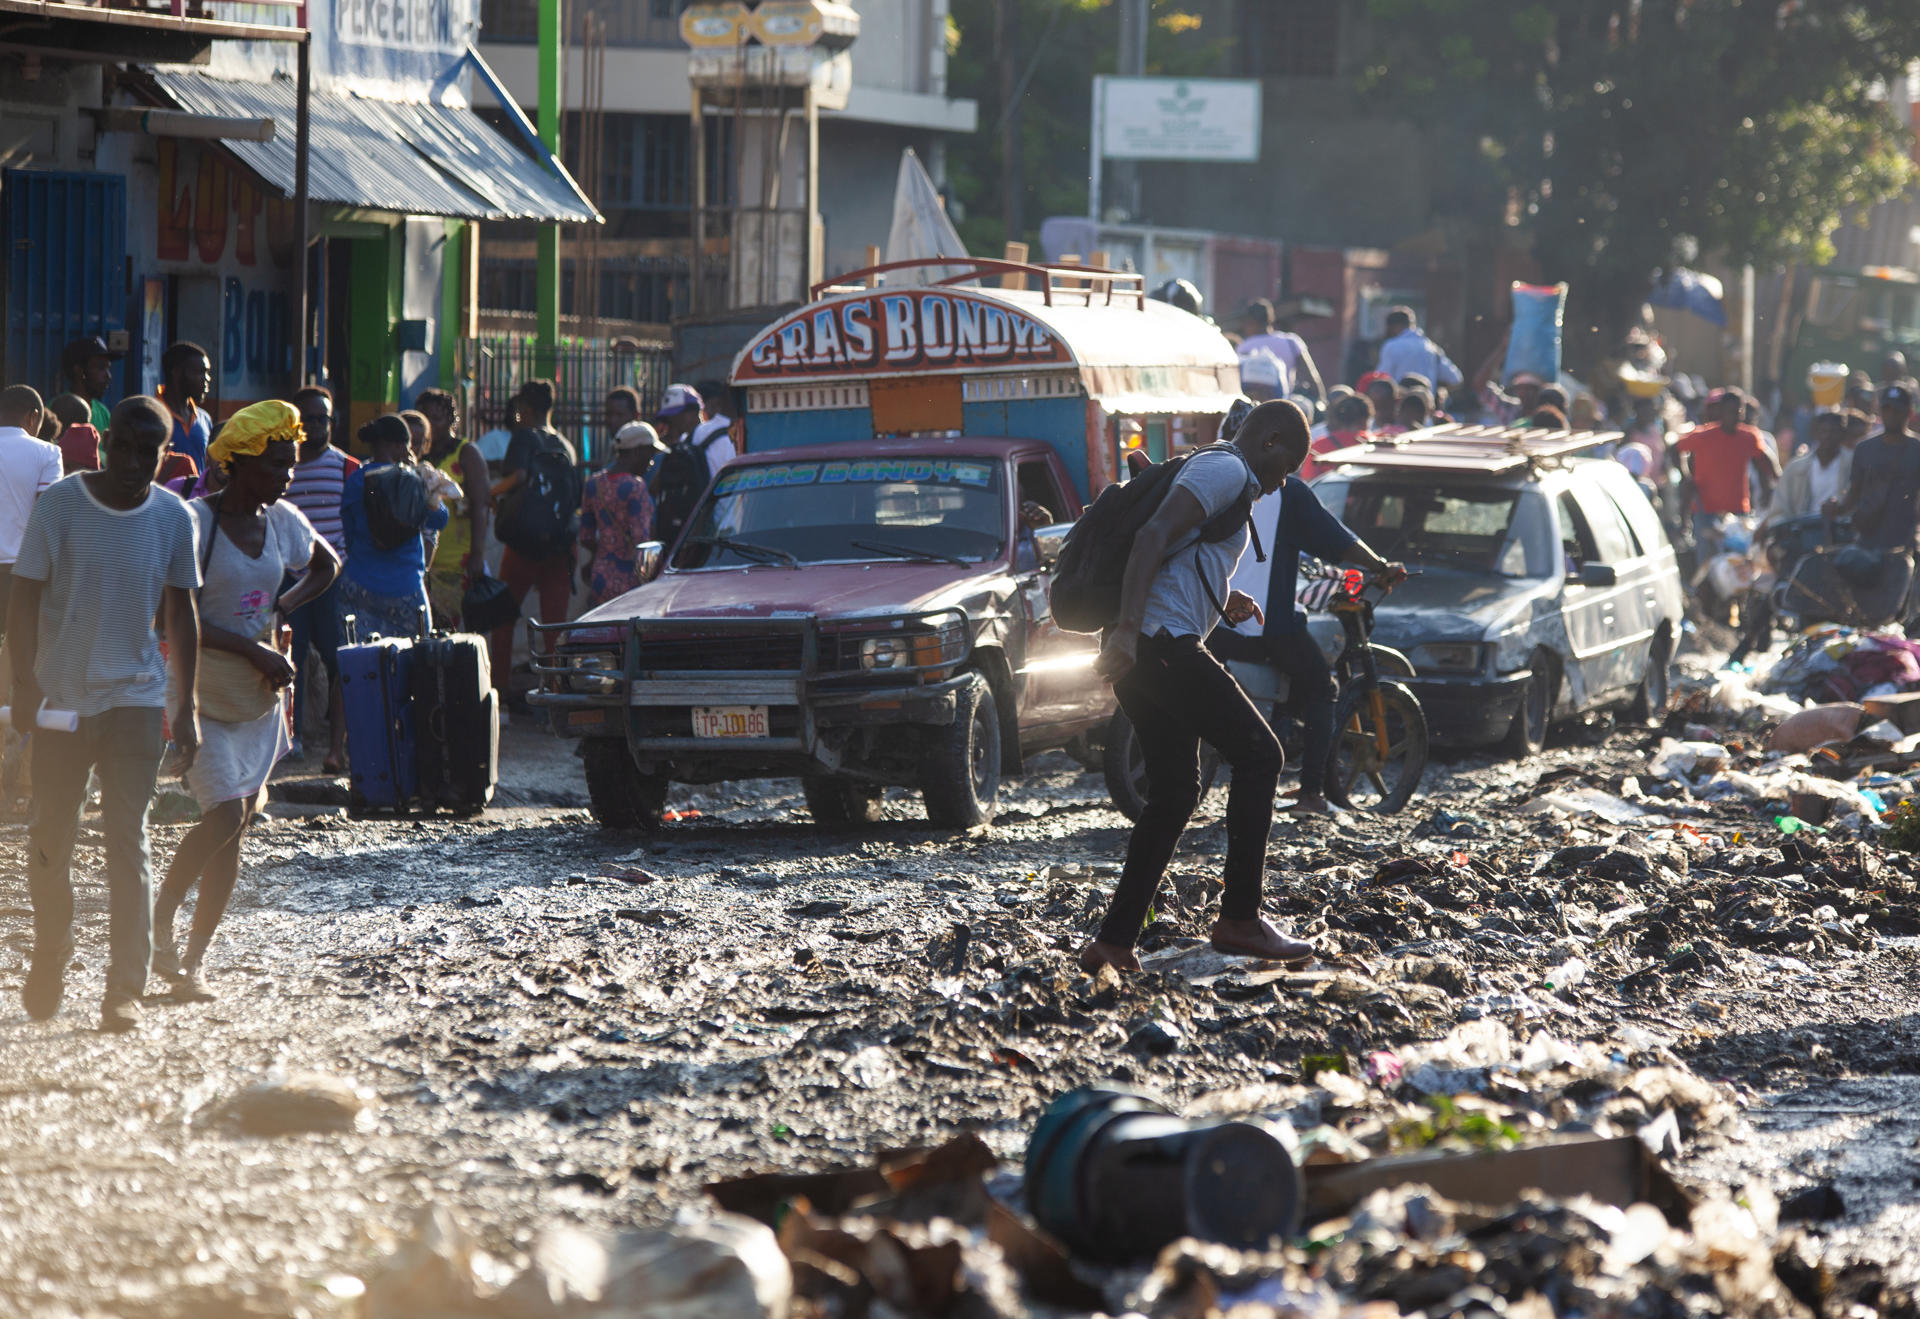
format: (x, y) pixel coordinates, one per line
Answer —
(1611, 538)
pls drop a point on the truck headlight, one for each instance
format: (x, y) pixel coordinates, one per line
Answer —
(596, 673)
(1449, 657)
(926, 647)
(885, 653)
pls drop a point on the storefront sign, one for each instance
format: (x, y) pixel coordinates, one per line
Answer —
(911, 331)
(1210, 119)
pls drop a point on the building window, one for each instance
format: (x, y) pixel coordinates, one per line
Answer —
(629, 23)
(647, 162)
(1290, 38)
(650, 290)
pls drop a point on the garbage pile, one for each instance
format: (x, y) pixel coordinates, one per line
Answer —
(1845, 664)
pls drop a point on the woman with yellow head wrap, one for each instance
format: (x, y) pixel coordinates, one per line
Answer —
(249, 541)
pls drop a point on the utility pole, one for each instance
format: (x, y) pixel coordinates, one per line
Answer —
(547, 271)
(1132, 63)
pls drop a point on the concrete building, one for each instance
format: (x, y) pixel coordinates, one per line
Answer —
(180, 224)
(642, 180)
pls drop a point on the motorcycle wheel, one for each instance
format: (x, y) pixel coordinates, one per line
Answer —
(1126, 767)
(1359, 777)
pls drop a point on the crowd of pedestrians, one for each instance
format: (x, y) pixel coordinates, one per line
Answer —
(168, 580)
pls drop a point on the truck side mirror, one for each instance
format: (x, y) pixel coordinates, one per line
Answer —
(1047, 542)
(648, 555)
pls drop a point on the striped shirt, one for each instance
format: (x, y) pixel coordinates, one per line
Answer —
(315, 491)
(105, 571)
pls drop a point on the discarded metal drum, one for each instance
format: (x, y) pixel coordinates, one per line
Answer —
(1116, 1175)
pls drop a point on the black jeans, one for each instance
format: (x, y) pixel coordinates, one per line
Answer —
(1178, 695)
(1309, 699)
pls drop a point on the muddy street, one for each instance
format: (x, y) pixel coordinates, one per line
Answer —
(543, 1022)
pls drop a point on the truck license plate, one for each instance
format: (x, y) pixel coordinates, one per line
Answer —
(729, 721)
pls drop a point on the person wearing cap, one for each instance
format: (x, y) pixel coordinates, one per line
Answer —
(1525, 388)
(1717, 458)
(1407, 351)
(86, 369)
(1883, 490)
(683, 419)
(187, 374)
(616, 514)
(78, 441)
(1258, 335)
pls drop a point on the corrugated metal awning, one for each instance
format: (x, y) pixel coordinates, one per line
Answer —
(402, 156)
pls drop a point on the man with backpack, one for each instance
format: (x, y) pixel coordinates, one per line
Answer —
(695, 452)
(1173, 591)
(538, 503)
(384, 512)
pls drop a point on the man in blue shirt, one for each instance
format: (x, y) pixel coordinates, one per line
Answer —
(1408, 352)
(187, 378)
(383, 587)
(1295, 522)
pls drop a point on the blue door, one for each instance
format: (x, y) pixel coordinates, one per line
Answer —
(66, 271)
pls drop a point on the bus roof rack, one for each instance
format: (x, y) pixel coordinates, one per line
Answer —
(1079, 282)
(1460, 447)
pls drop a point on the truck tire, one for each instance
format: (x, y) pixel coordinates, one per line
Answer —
(841, 803)
(1126, 769)
(620, 796)
(960, 776)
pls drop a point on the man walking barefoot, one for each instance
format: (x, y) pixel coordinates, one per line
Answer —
(104, 553)
(1178, 695)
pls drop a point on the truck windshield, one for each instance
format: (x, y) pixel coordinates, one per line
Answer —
(860, 510)
(1502, 530)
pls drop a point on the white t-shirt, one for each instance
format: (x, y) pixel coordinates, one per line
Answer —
(27, 466)
(1179, 604)
(721, 451)
(1286, 346)
(1825, 483)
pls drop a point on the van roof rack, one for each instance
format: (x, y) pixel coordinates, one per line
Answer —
(1460, 447)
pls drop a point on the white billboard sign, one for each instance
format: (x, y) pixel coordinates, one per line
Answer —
(1213, 119)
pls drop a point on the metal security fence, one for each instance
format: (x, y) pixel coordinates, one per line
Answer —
(584, 372)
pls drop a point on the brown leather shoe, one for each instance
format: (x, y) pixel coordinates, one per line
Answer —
(1096, 955)
(1259, 938)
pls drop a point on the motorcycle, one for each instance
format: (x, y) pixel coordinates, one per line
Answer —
(1380, 737)
(1825, 576)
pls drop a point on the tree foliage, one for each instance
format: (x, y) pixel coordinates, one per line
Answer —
(1046, 53)
(1630, 135)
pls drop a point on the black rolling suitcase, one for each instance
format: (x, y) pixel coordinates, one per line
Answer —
(456, 720)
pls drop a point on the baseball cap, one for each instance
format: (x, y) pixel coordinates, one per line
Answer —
(1897, 394)
(86, 347)
(636, 435)
(678, 399)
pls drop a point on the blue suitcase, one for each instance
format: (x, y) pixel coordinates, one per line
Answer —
(376, 687)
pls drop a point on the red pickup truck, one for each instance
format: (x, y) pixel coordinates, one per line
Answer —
(857, 615)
